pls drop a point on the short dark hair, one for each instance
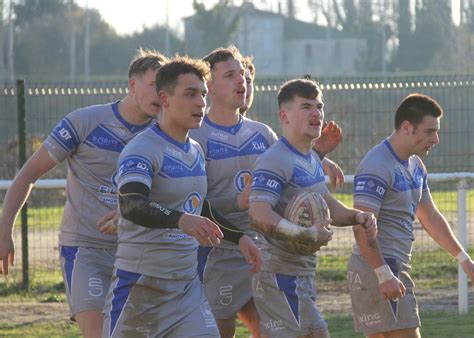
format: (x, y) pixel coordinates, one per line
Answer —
(414, 108)
(305, 88)
(167, 75)
(222, 54)
(144, 60)
(248, 64)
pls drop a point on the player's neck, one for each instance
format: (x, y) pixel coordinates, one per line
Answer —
(398, 143)
(173, 130)
(129, 111)
(301, 144)
(222, 116)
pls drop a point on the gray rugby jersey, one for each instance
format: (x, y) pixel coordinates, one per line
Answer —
(393, 188)
(176, 176)
(91, 140)
(278, 175)
(230, 155)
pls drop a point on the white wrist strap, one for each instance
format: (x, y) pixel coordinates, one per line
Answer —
(462, 256)
(383, 273)
(287, 228)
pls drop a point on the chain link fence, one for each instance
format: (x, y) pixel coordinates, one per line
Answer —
(363, 106)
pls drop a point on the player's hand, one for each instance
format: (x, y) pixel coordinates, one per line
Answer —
(335, 173)
(243, 197)
(206, 232)
(7, 253)
(107, 224)
(331, 136)
(392, 289)
(309, 240)
(367, 220)
(251, 253)
(468, 268)
(323, 233)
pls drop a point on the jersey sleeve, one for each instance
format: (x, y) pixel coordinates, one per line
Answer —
(425, 189)
(371, 182)
(66, 136)
(135, 166)
(270, 177)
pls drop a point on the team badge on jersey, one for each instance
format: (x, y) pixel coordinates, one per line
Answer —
(242, 179)
(192, 202)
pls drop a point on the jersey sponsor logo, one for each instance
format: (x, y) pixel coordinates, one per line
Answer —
(112, 189)
(355, 282)
(170, 236)
(370, 319)
(304, 178)
(192, 202)
(65, 135)
(264, 181)
(102, 138)
(225, 293)
(274, 325)
(109, 200)
(175, 168)
(369, 185)
(256, 144)
(219, 135)
(135, 165)
(95, 287)
(242, 179)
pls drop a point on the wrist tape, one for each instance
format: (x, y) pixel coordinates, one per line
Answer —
(383, 273)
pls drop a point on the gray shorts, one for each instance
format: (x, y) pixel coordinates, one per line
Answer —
(372, 313)
(87, 273)
(287, 305)
(144, 306)
(227, 280)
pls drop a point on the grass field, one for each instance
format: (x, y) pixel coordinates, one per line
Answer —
(49, 217)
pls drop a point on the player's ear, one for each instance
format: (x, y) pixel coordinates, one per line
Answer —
(131, 85)
(163, 98)
(283, 114)
(406, 127)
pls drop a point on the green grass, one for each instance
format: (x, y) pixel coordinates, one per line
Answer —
(50, 217)
(434, 325)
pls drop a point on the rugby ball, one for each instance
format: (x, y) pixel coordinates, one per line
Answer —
(307, 208)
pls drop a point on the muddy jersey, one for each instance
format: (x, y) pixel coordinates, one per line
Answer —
(393, 188)
(279, 174)
(90, 139)
(230, 155)
(175, 173)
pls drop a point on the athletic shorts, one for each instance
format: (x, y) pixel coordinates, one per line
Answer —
(227, 280)
(372, 313)
(287, 305)
(144, 306)
(87, 273)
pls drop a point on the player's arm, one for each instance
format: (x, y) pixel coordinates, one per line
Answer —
(438, 228)
(135, 206)
(390, 286)
(331, 136)
(334, 172)
(344, 216)
(38, 165)
(265, 220)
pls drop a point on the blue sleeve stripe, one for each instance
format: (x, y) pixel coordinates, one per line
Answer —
(373, 196)
(365, 176)
(73, 130)
(137, 157)
(60, 142)
(266, 190)
(268, 172)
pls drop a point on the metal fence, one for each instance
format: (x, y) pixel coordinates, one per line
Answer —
(363, 106)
